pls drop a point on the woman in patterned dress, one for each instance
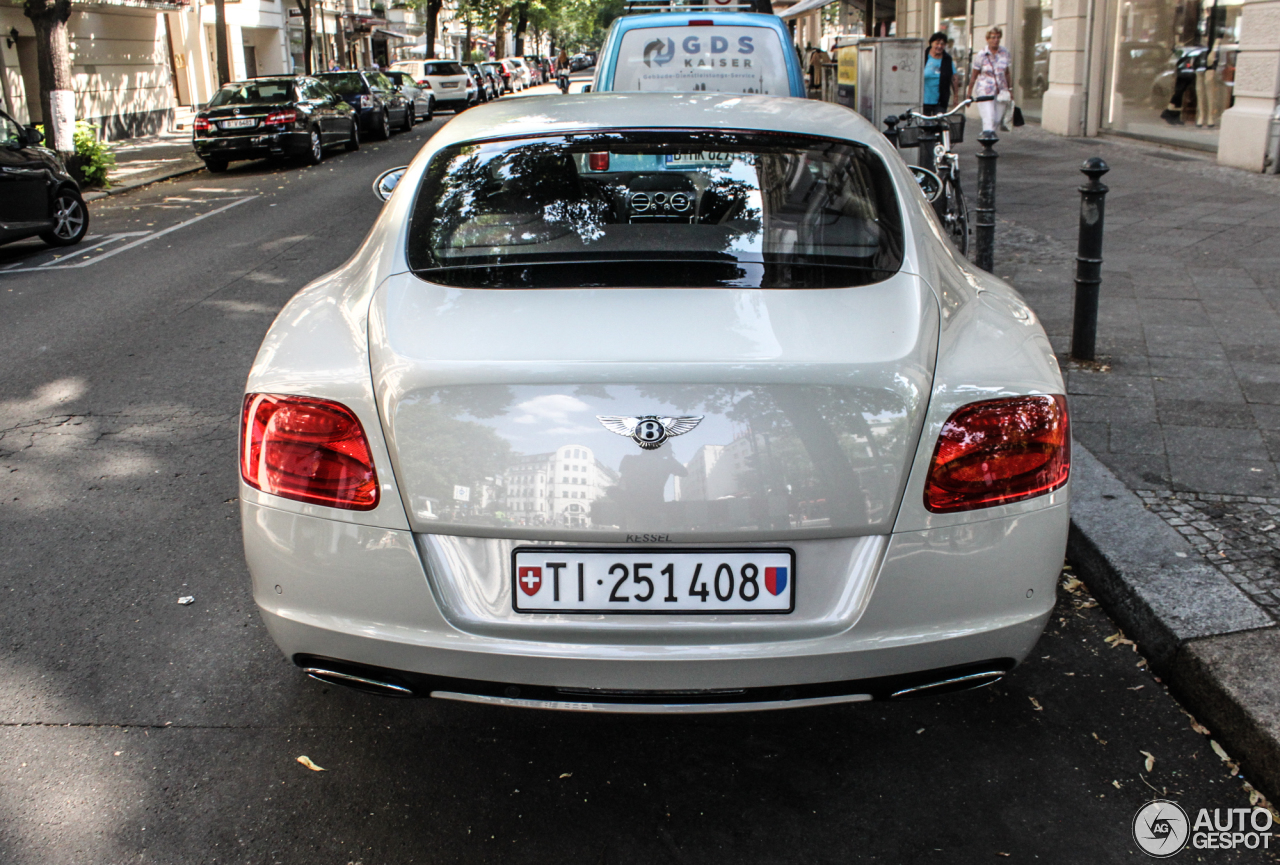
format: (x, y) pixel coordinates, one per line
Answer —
(991, 78)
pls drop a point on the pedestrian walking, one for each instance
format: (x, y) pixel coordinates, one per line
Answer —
(991, 78)
(940, 82)
(562, 71)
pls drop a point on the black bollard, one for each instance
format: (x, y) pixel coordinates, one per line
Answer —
(1084, 330)
(985, 229)
(891, 128)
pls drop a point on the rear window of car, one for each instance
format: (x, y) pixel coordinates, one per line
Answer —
(722, 59)
(261, 92)
(344, 83)
(444, 69)
(656, 209)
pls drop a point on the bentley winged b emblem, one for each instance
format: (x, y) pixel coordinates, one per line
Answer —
(649, 431)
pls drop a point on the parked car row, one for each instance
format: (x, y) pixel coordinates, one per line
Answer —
(300, 115)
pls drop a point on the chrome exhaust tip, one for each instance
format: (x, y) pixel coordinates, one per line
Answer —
(946, 686)
(360, 683)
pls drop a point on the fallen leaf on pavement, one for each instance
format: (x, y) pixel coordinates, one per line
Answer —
(1217, 749)
(1101, 741)
(306, 761)
(1071, 584)
(1036, 703)
(1115, 784)
(1118, 639)
(187, 600)
(1151, 760)
(1196, 725)
(567, 775)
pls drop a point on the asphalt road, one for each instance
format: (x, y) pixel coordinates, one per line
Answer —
(139, 730)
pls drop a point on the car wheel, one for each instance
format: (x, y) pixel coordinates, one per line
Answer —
(383, 131)
(353, 143)
(215, 166)
(315, 149)
(408, 119)
(71, 220)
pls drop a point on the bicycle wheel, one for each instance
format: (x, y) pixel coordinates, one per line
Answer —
(955, 215)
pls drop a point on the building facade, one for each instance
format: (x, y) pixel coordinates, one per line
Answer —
(1203, 74)
(556, 488)
(121, 64)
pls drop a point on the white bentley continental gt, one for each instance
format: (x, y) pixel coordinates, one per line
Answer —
(656, 403)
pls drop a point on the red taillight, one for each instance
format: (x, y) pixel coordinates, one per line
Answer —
(598, 161)
(424, 84)
(999, 451)
(285, 115)
(201, 124)
(311, 450)
(701, 22)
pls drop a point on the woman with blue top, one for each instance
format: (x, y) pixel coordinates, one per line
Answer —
(940, 82)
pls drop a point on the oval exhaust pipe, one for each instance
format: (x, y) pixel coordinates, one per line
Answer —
(360, 683)
(946, 686)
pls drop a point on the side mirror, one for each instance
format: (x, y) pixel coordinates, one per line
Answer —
(387, 181)
(32, 136)
(930, 183)
(586, 88)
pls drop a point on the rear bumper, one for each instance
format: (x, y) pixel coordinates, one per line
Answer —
(972, 599)
(253, 146)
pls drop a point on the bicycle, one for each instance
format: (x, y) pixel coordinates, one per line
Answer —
(950, 204)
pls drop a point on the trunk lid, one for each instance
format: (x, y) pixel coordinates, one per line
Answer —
(805, 407)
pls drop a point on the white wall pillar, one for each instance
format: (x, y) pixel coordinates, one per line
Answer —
(1064, 100)
(1246, 125)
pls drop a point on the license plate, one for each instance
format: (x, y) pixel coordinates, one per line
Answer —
(696, 160)
(652, 581)
(243, 123)
(448, 84)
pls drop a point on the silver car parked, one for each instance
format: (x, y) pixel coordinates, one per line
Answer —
(421, 98)
(700, 416)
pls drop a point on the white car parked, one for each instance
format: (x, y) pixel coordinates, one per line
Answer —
(705, 415)
(526, 77)
(449, 82)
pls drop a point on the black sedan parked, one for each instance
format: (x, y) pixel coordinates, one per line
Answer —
(263, 117)
(378, 102)
(37, 195)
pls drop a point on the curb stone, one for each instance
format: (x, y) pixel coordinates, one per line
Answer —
(1214, 647)
(186, 168)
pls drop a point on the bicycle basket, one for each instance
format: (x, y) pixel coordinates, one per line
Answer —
(957, 128)
(908, 136)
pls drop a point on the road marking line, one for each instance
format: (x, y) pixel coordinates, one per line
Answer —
(44, 268)
(98, 240)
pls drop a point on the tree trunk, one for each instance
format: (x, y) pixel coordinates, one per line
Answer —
(466, 45)
(500, 33)
(53, 59)
(522, 23)
(220, 41)
(304, 6)
(433, 17)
